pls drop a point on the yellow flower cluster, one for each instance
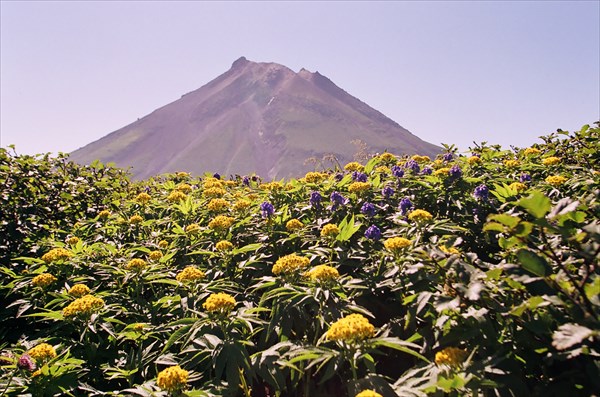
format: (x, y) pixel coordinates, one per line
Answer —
(143, 198)
(290, 263)
(382, 169)
(155, 255)
(452, 356)
(182, 174)
(136, 264)
(241, 205)
(139, 327)
(217, 205)
(221, 222)
(104, 214)
(451, 250)
(531, 151)
(511, 163)
(420, 216)
(322, 273)
(293, 225)
(190, 273)
(368, 393)
(387, 157)
(184, 188)
(271, 186)
(136, 219)
(192, 229)
(172, 379)
(210, 183)
(442, 171)
(73, 240)
(421, 159)
(359, 187)
(351, 328)
(42, 352)
(354, 166)
(230, 183)
(214, 192)
(176, 196)
(474, 160)
(219, 303)
(518, 186)
(79, 290)
(43, 280)
(224, 245)
(163, 243)
(396, 244)
(330, 231)
(56, 254)
(551, 160)
(314, 177)
(556, 180)
(83, 306)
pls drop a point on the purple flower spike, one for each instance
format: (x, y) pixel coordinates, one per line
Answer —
(315, 199)
(267, 210)
(387, 192)
(405, 205)
(481, 192)
(397, 171)
(368, 209)
(448, 157)
(359, 176)
(413, 166)
(455, 172)
(373, 233)
(525, 178)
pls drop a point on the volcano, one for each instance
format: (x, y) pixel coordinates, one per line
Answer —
(257, 117)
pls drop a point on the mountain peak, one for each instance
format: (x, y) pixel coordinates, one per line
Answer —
(241, 61)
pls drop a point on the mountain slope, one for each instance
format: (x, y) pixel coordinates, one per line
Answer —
(256, 117)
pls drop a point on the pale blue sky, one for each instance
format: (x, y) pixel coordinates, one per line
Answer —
(455, 72)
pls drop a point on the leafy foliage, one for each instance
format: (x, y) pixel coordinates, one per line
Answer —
(488, 284)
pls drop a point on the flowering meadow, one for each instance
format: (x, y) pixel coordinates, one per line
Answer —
(469, 274)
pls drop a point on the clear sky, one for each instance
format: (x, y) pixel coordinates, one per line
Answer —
(454, 72)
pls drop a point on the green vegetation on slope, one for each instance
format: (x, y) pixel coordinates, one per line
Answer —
(463, 275)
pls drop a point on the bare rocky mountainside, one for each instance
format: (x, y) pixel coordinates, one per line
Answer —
(258, 118)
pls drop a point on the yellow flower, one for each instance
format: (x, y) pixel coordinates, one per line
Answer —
(217, 205)
(221, 222)
(136, 264)
(155, 255)
(387, 157)
(42, 352)
(551, 160)
(421, 159)
(531, 150)
(79, 290)
(230, 183)
(396, 244)
(420, 216)
(330, 231)
(43, 280)
(184, 188)
(314, 177)
(368, 393)
(84, 306)
(474, 160)
(37, 372)
(182, 174)
(322, 273)
(136, 219)
(219, 303)
(518, 186)
(511, 163)
(139, 327)
(241, 205)
(293, 224)
(354, 166)
(214, 192)
(556, 180)
(163, 243)
(359, 187)
(192, 229)
(451, 356)
(210, 183)
(56, 254)
(223, 245)
(382, 169)
(271, 186)
(353, 327)
(104, 214)
(290, 263)
(190, 273)
(176, 196)
(72, 240)
(451, 250)
(143, 198)
(172, 379)
(444, 171)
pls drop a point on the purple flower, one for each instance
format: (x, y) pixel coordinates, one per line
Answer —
(26, 363)
(217, 176)
(455, 172)
(448, 156)
(368, 209)
(525, 178)
(405, 205)
(267, 210)
(337, 199)
(387, 192)
(427, 171)
(481, 192)
(413, 166)
(397, 171)
(315, 199)
(373, 233)
(246, 181)
(339, 176)
(359, 176)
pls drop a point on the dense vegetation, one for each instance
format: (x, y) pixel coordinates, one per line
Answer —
(467, 274)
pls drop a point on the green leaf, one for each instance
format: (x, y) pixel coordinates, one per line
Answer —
(533, 263)
(536, 204)
(347, 228)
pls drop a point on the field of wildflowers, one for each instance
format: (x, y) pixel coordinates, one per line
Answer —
(463, 275)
